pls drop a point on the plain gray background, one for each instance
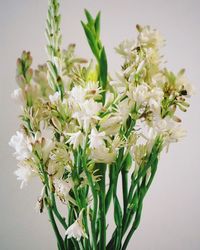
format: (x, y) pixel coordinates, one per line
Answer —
(171, 216)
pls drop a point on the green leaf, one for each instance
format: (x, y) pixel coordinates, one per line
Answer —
(89, 17)
(97, 24)
(91, 40)
(103, 68)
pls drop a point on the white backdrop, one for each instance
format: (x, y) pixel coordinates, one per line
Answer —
(171, 216)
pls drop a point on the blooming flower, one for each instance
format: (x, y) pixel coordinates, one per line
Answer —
(96, 138)
(63, 187)
(88, 111)
(22, 146)
(76, 139)
(139, 94)
(149, 37)
(102, 154)
(76, 230)
(24, 173)
(154, 98)
(78, 94)
(111, 124)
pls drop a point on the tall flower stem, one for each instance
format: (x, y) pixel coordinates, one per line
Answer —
(124, 175)
(102, 210)
(139, 209)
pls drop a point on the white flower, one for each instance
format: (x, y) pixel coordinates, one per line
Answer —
(139, 94)
(76, 139)
(92, 90)
(17, 95)
(24, 173)
(125, 49)
(155, 97)
(89, 110)
(102, 155)
(63, 187)
(55, 169)
(111, 124)
(78, 94)
(96, 138)
(140, 67)
(183, 83)
(109, 98)
(124, 109)
(170, 130)
(149, 37)
(120, 84)
(22, 146)
(45, 137)
(54, 98)
(76, 230)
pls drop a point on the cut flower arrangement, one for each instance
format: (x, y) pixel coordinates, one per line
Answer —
(82, 129)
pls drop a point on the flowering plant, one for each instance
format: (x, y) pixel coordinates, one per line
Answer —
(81, 129)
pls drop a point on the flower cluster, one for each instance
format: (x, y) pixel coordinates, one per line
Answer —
(76, 120)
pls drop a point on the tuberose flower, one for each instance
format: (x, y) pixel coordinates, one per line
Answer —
(24, 173)
(22, 146)
(76, 230)
(96, 138)
(76, 139)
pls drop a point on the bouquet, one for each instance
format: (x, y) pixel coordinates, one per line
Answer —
(82, 129)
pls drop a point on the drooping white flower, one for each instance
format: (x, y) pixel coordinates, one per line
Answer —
(76, 139)
(24, 173)
(22, 146)
(39, 206)
(76, 230)
(62, 187)
(54, 98)
(96, 138)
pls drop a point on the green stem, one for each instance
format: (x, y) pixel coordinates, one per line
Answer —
(56, 212)
(124, 174)
(143, 192)
(102, 240)
(135, 224)
(55, 228)
(110, 189)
